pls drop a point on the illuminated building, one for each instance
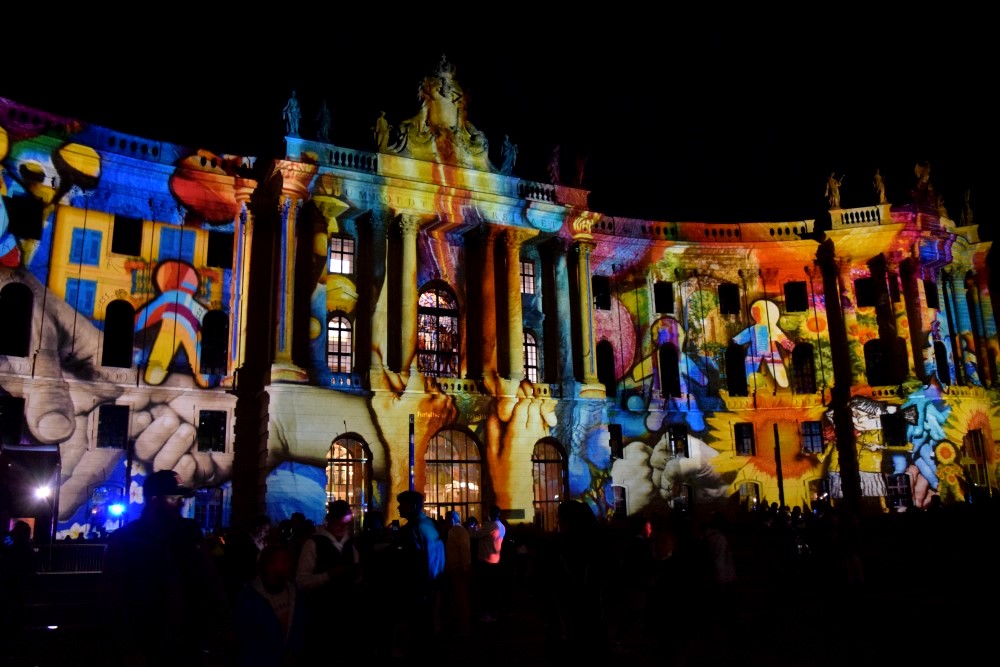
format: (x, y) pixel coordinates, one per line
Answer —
(345, 323)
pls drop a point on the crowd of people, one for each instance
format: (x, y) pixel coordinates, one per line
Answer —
(280, 592)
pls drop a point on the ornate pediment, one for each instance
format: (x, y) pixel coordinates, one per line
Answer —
(441, 132)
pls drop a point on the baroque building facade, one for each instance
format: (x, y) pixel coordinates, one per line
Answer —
(345, 324)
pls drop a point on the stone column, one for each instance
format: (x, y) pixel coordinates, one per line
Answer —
(515, 322)
(239, 280)
(379, 294)
(563, 309)
(294, 190)
(489, 302)
(588, 352)
(410, 226)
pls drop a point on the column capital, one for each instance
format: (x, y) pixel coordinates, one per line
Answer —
(295, 177)
(244, 188)
(515, 236)
(585, 248)
(409, 224)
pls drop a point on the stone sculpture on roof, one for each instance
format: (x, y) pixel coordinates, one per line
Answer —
(441, 132)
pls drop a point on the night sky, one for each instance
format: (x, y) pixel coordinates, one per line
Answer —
(679, 119)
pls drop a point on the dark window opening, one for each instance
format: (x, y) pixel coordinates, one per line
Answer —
(11, 419)
(220, 250)
(796, 297)
(736, 370)
(16, 303)
(812, 437)
(119, 332)
(670, 375)
(874, 364)
(803, 369)
(663, 297)
(893, 279)
(931, 295)
(729, 299)
(745, 445)
(606, 368)
(865, 292)
(212, 431)
(126, 236)
(893, 429)
(941, 362)
(214, 343)
(24, 215)
(602, 292)
(112, 426)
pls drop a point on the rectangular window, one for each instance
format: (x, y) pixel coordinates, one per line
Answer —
(893, 429)
(975, 456)
(898, 495)
(796, 297)
(85, 247)
(220, 250)
(341, 255)
(112, 426)
(865, 293)
(744, 439)
(729, 299)
(602, 292)
(80, 294)
(11, 419)
(527, 277)
(812, 438)
(931, 294)
(126, 236)
(663, 297)
(177, 243)
(677, 436)
(212, 431)
(24, 215)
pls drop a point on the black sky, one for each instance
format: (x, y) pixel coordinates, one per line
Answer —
(716, 117)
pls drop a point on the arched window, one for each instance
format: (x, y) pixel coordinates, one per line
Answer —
(119, 331)
(437, 333)
(339, 344)
(874, 365)
(548, 474)
(941, 362)
(214, 343)
(606, 368)
(15, 313)
(736, 372)
(530, 357)
(453, 475)
(670, 374)
(803, 369)
(750, 495)
(347, 475)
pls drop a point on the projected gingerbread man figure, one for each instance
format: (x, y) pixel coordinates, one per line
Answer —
(766, 341)
(179, 316)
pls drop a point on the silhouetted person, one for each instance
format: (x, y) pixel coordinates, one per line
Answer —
(164, 601)
(488, 572)
(17, 577)
(270, 615)
(420, 560)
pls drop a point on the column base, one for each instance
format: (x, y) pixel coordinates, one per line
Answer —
(288, 372)
(593, 390)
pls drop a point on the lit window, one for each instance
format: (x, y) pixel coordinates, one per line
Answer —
(677, 437)
(437, 333)
(341, 255)
(453, 475)
(530, 357)
(548, 475)
(527, 277)
(339, 336)
(347, 475)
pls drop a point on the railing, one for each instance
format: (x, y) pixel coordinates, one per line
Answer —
(61, 558)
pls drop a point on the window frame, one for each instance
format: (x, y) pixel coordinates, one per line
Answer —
(744, 439)
(435, 357)
(337, 246)
(527, 277)
(340, 354)
(811, 437)
(531, 366)
(207, 441)
(548, 474)
(113, 422)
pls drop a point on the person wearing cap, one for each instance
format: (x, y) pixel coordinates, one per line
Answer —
(329, 576)
(420, 554)
(163, 599)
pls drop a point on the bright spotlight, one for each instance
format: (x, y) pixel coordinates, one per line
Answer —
(43, 492)
(117, 509)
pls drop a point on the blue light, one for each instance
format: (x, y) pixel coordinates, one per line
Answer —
(117, 509)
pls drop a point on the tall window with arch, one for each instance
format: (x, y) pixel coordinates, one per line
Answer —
(339, 344)
(347, 474)
(548, 475)
(437, 332)
(530, 357)
(119, 333)
(16, 302)
(453, 475)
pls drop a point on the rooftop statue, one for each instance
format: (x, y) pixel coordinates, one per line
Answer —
(509, 156)
(323, 118)
(441, 132)
(292, 113)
